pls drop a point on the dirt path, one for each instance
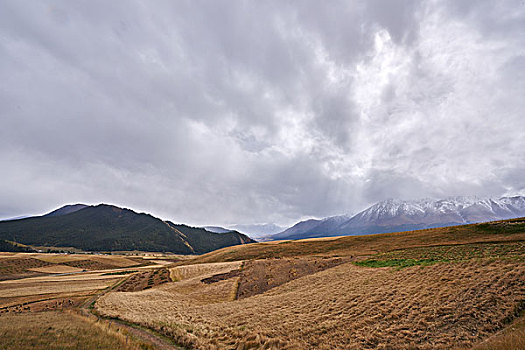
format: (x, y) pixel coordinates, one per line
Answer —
(144, 335)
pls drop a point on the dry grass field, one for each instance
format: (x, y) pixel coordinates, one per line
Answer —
(433, 289)
(42, 312)
(494, 232)
(56, 269)
(512, 337)
(57, 258)
(345, 307)
(57, 284)
(202, 270)
(23, 265)
(450, 288)
(27, 279)
(118, 261)
(59, 330)
(41, 287)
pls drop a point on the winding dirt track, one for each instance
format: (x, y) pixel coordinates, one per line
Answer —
(144, 335)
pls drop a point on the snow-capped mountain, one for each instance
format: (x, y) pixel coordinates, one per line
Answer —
(396, 215)
(325, 225)
(258, 231)
(216, 229)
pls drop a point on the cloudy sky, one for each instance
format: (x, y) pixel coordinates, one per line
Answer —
(221, 112)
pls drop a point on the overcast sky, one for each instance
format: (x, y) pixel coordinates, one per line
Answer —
(222, 112)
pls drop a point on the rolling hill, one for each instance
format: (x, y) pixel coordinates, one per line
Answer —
(457, 287)
(109, 228)
(510, 231)
(397, 216)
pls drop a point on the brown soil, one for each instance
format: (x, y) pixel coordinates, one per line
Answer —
(119, 261)
(56, 269)
(262, 275)
(89, 265)
(11, 268)
(27, 265)
(259, 276)
(14, 276)
(6, 303)
(145, 280)
(59, 304)
(221, 276)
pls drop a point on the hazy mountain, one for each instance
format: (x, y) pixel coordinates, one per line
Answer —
(109, 228)
(396, 215)
(299, 230)
(257, 230)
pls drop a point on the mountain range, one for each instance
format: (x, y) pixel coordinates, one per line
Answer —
(253, 230)
(109, 228)
(396, 215)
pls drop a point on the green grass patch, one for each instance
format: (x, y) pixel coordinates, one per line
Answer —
(399, 263)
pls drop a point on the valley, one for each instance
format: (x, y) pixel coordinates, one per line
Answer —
(457, 287)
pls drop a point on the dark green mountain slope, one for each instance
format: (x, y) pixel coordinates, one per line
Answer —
(66, 209)
(108, 228)
(204, 241)
(7, 246)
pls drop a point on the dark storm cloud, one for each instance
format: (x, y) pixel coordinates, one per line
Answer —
(240, 112)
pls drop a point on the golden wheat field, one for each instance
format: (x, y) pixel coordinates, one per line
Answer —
(23, 265)
(39, 287)
(53, 282)
(44, 313)
(56, 269)
(202, 270)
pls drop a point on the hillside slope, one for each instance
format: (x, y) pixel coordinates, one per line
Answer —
(109, 228)
(66, 209)
(442, 288)
(512, 230)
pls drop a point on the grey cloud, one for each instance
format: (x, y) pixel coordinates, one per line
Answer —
(224, 112)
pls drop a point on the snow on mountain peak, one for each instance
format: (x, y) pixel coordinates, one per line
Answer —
(452, 209)
(393, 215)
